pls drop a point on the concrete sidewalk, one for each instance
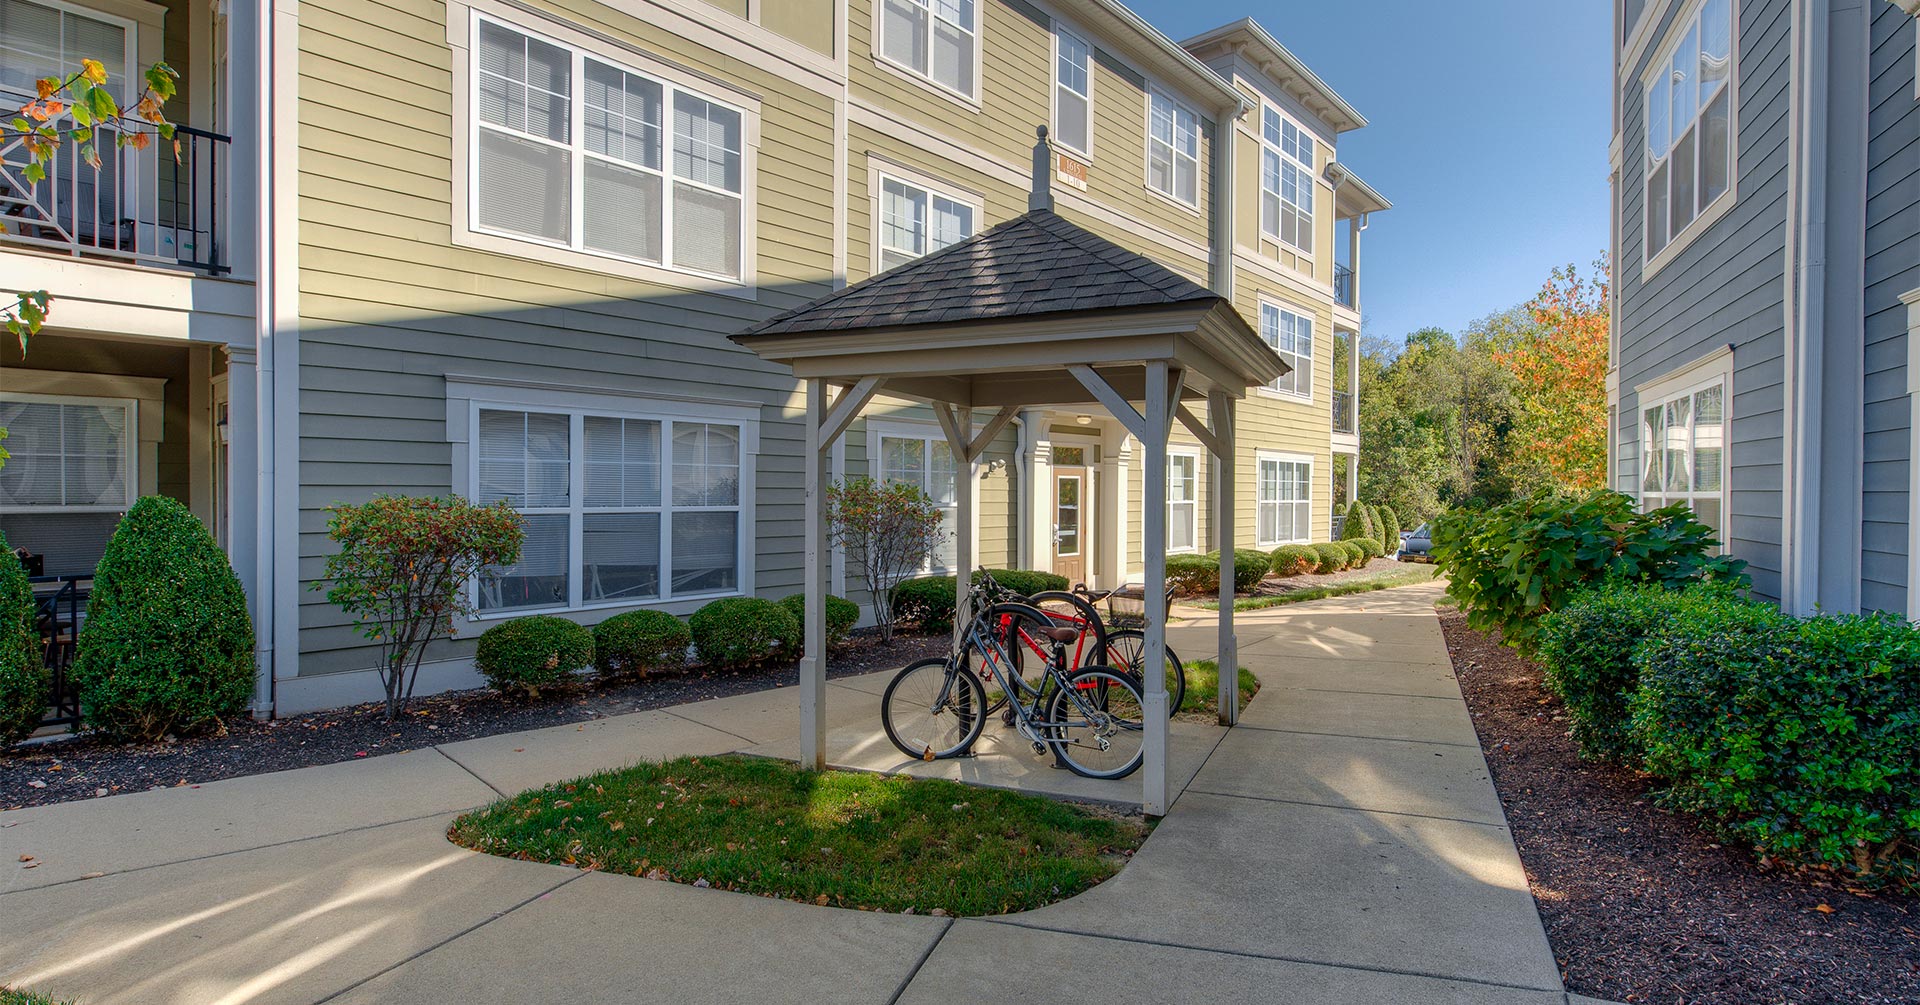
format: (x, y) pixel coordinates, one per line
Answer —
(1343, 845)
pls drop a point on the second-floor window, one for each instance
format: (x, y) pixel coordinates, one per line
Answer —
(1073, 92)
(933, 38)
(1286, 181)
(916, 221)
(1173, 149)
(1689, 105)
(1290, 335)
(575, 151)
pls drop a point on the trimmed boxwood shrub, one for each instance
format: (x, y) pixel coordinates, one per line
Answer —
(743, 632)
(1358, 523)
(1191, 574)
(1369, 548)
(842, 615)
(640, 642)
(1798, 737)
(926, 602)
(527, 654)
(1331, 557)
(1389, 531)
(1027, 582)
(1249, 568)
(1356, 554)
(1293, 560)
(168, 645)
(1379, 530)
(23, 674)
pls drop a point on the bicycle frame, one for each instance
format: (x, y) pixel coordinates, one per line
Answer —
(999, 662)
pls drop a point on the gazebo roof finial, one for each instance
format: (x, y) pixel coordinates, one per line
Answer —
(1042, 195)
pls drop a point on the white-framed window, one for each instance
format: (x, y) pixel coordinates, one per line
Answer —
(1284, 499)
(1689, 99)
(1683, 455)
(916, 220)
(1072, 92)
(47, 38)
(69, 454)
(1286, 181)
(1291, 335)
(935, 39)
(572, 150)
(1173, 149)
(923, 459)
(1183, 501)
(627, 506)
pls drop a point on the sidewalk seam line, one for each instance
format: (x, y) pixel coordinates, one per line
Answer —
(1382, 694)
(1354, 809)
(1265, 956)
(1356, 736)
(463, 933)
(717, 729)
(476, 775)
(925, 955)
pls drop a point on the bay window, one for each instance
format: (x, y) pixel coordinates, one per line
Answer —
(1683, 455)
(916, 221)
(1689, 124)
(1286, 181)
(1073, 92)
(926, 462)
(1284, 501)
(575, 151)
(1173, 149)
(1183, 502)
(1291, 336)
(935, 39)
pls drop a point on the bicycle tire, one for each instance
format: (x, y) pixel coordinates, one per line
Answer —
(1085, 612)
(1101, 738)
(1126, 649)
(926, 692)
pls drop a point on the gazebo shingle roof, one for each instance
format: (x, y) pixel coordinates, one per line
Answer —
(1038, 263)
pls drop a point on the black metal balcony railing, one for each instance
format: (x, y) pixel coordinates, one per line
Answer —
(1343, 284)
(138, 205)
(1342, 412)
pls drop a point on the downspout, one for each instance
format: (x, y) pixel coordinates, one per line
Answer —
(1806, 306)
(264, 345)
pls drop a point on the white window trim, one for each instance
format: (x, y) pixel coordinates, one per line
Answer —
(1268, 390)
(1715, 367)
(1146, 152)
(1650, 265)
(903, 429)
(968, 100)
(1193, 453)
(1312, 173)
(879, 171)
(462, 35)
(466, 396)
(1053, 93)
(120, 16)
(129, 450)
(1261, 456)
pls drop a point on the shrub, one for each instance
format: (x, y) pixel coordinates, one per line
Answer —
(1379, 535)
(640, 642)
(1357, 524)
(168, 645)
(1369, 549)
(842, 615)
(1801, 738)
(527, 654)
(1191, 574)
(402, 573)
(1508, 565)
(887, 529)
(926, 602)
(23, 674)
(1026, 582)
(743, 632)
(1332, 557)
(1389, 531)
(1293, 560)
(1356, 553)
(1249, 568)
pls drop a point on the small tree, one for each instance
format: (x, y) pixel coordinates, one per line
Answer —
(889, 530)
(402, 573)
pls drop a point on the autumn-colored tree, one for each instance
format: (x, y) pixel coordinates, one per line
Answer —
(1559, 370)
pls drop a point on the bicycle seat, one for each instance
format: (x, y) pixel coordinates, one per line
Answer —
(1063, 635)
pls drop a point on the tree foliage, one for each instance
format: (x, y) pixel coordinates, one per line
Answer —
(1559, 370)
(888, 530)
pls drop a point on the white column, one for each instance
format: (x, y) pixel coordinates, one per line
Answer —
(966, 489)
(1220, 417)
(813, 665)
(1153, 532)
(243, 456)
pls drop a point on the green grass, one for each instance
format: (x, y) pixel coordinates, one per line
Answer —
(1382, 581)
(1203, 687)
(9, 996)
(848, 839)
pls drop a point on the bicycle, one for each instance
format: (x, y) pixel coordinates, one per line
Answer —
(1126, 648)
(937, 708)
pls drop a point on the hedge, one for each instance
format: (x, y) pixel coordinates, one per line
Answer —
(1356, 553)
(1293, 560)
(23, 674)
(739, 632)
(1389, 530)
(842, 615)
(1193, 574)
(168, 645)
(640, 642)
(527, 654)
(1332, 557)
(928, 601)
(1357, 523)
(1369, 548)
(1249, 568)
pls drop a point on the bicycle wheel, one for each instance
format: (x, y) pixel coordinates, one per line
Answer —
(1018, 630)
(1095, 724)
(1073, 610)
(932, 711)
(1127, 649)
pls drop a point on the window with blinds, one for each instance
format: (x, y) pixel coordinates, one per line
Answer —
(935, 39)
(1173, 149)
(1683, 456)
(1284, 502)
(42, 40)
(916, 221)
(68, 454)
(1073, 93)
(617, 509)
(926, 462)
(572, 150)
(1183, 502)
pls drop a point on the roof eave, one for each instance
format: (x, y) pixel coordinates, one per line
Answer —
(1172, 54)
(1344, 117)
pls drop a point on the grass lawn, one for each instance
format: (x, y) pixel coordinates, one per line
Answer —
(1203, 687)
(9, 996)
(843, 838)
(1383, 581)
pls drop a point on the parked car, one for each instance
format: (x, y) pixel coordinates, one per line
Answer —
(1416, 545)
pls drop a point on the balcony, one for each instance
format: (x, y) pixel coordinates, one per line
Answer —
(1343, 411)
(141, 206)
(1343, 285)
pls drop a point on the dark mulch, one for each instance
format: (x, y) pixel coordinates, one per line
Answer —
(1641, 905)
(86, 768)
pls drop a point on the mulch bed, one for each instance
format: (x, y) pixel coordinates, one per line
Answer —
(86, 768)
(1642, 905)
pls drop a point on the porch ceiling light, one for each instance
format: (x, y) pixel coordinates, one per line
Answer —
(1084, 420)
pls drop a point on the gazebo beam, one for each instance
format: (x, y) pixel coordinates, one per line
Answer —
(847, 407)
(1117, 406)
(993, 428)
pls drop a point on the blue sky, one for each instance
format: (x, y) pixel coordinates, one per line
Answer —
(1487, 128)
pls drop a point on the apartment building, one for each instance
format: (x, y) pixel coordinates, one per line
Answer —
(497, 247)
(1766, 235)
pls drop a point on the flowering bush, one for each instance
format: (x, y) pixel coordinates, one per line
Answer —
(889, 530)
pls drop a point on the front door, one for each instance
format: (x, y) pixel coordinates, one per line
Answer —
(1069, 524)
